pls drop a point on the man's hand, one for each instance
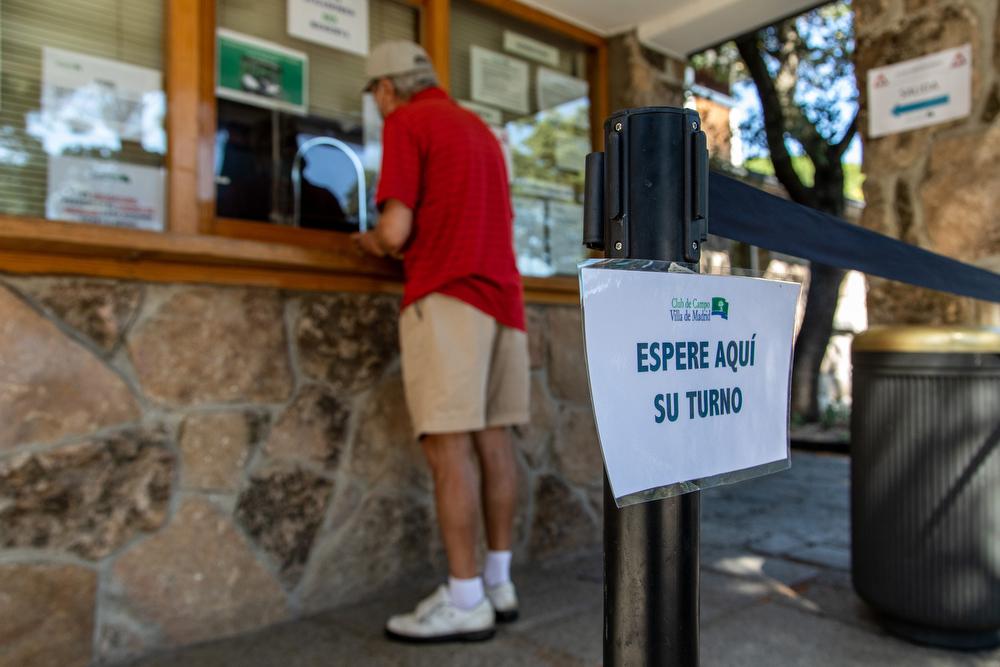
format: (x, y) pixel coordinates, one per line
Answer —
(368, 242)
(390, 236)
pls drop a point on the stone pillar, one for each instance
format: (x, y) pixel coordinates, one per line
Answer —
(641, 77)
(935, 187)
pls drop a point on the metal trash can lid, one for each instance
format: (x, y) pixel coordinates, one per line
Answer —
(942, 339)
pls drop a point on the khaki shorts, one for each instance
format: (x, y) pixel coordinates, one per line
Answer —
(462, 371)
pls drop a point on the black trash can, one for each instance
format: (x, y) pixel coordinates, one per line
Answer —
(925, 482)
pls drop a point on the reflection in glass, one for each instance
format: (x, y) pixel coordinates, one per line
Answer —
(547, 145)
(548, 151)
(82, 135)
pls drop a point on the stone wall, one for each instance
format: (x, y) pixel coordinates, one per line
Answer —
(179, 463)
(641, 77)
(936, 187)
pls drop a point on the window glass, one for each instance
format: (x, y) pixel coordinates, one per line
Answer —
(530, 85)
(81, 111)
(294, 129)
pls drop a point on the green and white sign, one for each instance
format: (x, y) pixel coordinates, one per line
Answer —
(689, 375)
(261, 73)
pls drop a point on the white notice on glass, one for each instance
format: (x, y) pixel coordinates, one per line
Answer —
(920, 92)
(339, 24)
(499, 80)
(489, 115)
(525, 46)
(689, 377)
(96, 103)
(555, 88)
(104, 192)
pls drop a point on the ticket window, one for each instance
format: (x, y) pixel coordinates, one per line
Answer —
(294, 129)
(530, 85)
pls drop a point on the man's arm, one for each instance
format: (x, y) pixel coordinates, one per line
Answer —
(392, 232)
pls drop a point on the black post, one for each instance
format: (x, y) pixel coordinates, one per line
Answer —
(655, 173)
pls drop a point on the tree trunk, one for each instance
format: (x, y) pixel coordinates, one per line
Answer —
(817, 326)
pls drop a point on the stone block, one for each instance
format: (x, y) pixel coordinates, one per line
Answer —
(88, 498)
(578, 450)
(281, 509)
(215, 448)
(347, 340)
(561, 521)
(388, 539)
(197, 579)
(212, 345)
(313, 427)
(52, 387)
(890, 302)
(100, 310)
(566, 360)
(385, 449)
(535, 323)
(960, 197)
(535, 439)
(48, 615)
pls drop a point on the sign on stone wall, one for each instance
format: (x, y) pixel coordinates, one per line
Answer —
(689, 376)
(920, 92)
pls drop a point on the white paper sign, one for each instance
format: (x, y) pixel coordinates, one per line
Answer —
(555, 88)
(104, 192)
(339, 24)
(499, 80)
(689, 376)
(525, 46)
(489, 115)
(920, 92)
(96, 103)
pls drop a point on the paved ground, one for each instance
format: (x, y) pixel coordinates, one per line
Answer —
(776, 592)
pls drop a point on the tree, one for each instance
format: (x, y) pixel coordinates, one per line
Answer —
(802, 70)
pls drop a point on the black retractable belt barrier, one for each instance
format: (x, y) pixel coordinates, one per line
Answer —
(744, 213)
(646, 198)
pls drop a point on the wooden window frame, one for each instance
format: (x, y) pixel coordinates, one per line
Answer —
(198, 246)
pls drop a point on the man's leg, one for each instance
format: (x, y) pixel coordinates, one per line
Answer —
(499, 467)
(456, 498)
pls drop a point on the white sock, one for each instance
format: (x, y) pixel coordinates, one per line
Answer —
(497, 570)
(466, 593)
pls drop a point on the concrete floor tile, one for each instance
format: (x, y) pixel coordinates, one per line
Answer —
(739, 563)
(722, 595)
(778, 636)
(578, 637)
(835, 558)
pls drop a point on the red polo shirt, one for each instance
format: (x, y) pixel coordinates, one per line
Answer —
(445, 164)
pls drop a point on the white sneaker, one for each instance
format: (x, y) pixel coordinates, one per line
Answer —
(503, 597)
(437, 619)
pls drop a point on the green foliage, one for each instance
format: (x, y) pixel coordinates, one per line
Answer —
(853, 177)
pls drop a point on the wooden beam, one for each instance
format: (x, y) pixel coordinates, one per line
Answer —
(597, 60)
(316, 261)
(540, 18)
(190, 89)
(182, 272)
(435, 36)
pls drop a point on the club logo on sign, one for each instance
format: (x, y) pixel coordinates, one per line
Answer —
(698, 309)
(720, 307)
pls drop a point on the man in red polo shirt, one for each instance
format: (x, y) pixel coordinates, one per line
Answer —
(445, 207)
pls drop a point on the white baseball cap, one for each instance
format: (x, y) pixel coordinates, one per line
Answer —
(396, 57)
